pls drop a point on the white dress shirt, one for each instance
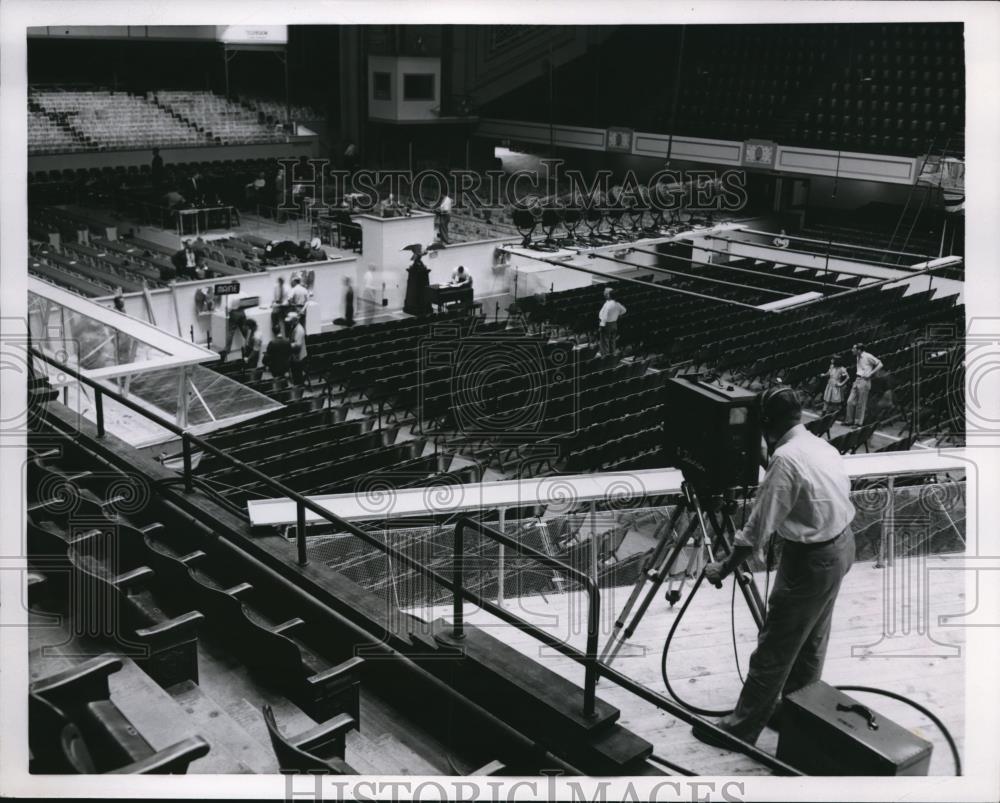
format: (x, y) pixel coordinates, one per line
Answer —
(805, 495)
(868, 364)
(299, 296)
(610, 312)
(445, 207)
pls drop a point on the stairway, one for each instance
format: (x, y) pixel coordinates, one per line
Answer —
(384, 755)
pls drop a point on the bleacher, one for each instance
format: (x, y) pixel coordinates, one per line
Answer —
(48, 135)
(890, 88)
(75, 120)
(109, 120)
(224, 121)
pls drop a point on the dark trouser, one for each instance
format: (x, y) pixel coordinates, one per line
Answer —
(278, 315)
(444, 219)
(791, 646)
(609, 338)
(298, 371)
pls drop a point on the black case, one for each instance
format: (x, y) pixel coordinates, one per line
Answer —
(819, 738)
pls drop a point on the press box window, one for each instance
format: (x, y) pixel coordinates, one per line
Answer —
(418, 86)
(382, 86)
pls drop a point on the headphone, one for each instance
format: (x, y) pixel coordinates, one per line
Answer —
(765, 399)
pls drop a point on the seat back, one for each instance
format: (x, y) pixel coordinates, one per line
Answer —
(56, 744)
(291, 758)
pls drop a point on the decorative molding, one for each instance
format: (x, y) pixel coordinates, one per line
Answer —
(866, 166)
(789, 159)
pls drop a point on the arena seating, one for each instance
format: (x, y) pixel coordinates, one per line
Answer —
(224, 121)
(109, 120)
(73, 120)
(275, 110)
(135, 566)
(75, 728)
(48, 135)
(895, 88)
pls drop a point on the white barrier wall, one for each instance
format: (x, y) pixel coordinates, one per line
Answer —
(295, 147)
(174, 307)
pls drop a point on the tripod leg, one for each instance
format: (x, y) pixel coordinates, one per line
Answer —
(744, 577)
(662, 544)
(656, 577)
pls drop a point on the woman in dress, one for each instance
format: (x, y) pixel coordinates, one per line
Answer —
(836, 379)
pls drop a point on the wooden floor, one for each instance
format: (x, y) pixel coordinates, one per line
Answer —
(928, 668)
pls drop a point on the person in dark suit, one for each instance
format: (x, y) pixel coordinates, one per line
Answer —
(277, 357)
(348, 319)
(185, 261)
(156, 168)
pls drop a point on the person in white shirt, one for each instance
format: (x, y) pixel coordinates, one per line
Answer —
(804, 499)
(459, 278)
(607, 320)
(857, 402)
(781, 241)
(298, 297)
(297, 363)
(444, 218)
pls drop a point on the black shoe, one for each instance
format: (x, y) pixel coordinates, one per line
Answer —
(701, 732)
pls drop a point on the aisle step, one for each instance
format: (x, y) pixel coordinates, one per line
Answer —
(215, 725)
(162, 722)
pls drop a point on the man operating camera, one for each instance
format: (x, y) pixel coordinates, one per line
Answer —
(804, 499)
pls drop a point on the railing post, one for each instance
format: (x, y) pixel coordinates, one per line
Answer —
(186, 450)
(590, 673)
(300, 533)
(457, 579)
(99, 405)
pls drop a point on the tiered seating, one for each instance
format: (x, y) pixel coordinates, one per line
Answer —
(887, 88)
(45, 135)
(903, 90)
(226, 122)
(112, 120)
(110, 567)
(137, 567)
(275, 110)
(75, 728)
(742, 81)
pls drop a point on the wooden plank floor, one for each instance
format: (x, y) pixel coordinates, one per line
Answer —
(929, 668)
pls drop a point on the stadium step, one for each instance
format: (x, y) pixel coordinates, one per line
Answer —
(162, 721)
(219, 728)
(384, 755)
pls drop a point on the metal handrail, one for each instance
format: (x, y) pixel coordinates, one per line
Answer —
(455, 584)
(589, 658)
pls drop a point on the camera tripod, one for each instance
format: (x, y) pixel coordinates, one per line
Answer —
(659, 567)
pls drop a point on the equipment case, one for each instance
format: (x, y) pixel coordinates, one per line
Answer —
(826, 732)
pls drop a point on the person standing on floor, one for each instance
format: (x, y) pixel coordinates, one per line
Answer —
(607, 320)
(805, 500)
(252, 345)
(277, 357)
(298, 298)
(857, 402)
(444, 218)
(297, 364)
(836, 380)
